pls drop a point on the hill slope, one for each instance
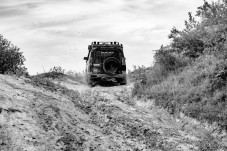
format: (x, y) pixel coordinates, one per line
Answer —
(75, 117)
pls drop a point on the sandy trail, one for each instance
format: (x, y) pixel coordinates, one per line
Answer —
(33, 118)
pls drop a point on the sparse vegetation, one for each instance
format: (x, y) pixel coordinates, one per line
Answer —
(57, 69)
(56, 73)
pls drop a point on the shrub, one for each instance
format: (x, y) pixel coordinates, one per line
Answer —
(168, 61)
(11, 59)
(138, 74)
(57, 69)
(138, 90)
(199, 91)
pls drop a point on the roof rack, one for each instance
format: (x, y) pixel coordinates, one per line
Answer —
(105, 43)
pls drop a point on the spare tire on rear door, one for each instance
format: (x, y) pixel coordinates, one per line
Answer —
(111, 66)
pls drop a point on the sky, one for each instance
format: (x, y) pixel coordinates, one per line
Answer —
(57, 32)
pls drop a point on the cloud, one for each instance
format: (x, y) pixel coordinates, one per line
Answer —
(93, 1)
(57, 22)
(17, 8)
(12, 11)
(57, 32)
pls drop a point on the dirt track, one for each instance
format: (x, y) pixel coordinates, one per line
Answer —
(100, 118)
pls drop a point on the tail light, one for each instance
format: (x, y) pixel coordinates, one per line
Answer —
(123, 61)
(96, 68)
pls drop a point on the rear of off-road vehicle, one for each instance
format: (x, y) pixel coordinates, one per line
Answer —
(105, 62)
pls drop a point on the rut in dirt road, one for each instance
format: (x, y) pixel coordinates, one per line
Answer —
(66, 115)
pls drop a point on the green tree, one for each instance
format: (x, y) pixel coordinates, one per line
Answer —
(11, 59)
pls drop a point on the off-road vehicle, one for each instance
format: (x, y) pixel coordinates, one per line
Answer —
(105, 62)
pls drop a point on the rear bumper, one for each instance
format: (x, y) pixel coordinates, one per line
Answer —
(106, 76)
(119, 78)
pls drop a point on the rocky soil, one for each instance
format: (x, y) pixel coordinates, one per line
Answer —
(72, 116)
